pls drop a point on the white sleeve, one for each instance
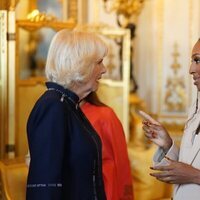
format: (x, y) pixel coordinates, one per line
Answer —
(159, 156)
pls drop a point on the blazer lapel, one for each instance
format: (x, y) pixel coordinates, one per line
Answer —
(195, 149)
(190, 144)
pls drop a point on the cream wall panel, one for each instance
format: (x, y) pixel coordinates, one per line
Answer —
(175, 30)
(161, 24)
(97, 13)
(147, 52)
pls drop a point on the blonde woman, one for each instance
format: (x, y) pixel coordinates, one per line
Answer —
(65, 150)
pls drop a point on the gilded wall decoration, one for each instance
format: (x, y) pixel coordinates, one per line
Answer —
(53, 8)
(175, 98)
(129, 10)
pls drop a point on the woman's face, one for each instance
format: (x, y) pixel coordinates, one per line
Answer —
(195, 65)
(98, 71)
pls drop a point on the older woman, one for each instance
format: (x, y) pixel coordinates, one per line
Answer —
(64, 148)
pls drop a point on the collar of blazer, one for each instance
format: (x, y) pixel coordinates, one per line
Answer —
(190, 147)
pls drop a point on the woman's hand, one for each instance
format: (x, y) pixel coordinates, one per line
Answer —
(177, 173)
(155, 132)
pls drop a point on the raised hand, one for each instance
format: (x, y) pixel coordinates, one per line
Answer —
(155, 132)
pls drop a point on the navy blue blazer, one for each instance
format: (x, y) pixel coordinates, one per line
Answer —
(65, 150)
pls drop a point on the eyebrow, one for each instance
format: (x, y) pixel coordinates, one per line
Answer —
(196, 54)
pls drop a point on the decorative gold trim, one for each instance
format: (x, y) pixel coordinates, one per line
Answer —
(174, 97)
(33, 26)
(126, 10)
(36, 16)
(69, 9)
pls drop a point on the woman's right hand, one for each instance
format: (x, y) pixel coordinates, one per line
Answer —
(155, 132)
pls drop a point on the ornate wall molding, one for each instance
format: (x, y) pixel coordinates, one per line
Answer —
(175, 93)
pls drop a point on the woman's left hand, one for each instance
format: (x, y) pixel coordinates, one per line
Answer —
(177, 173)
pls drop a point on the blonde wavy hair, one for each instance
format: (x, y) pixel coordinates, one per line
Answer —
(72, 57)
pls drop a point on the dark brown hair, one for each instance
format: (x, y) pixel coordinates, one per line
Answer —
(94, 99)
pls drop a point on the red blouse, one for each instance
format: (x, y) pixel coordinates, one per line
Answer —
(116, 166)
